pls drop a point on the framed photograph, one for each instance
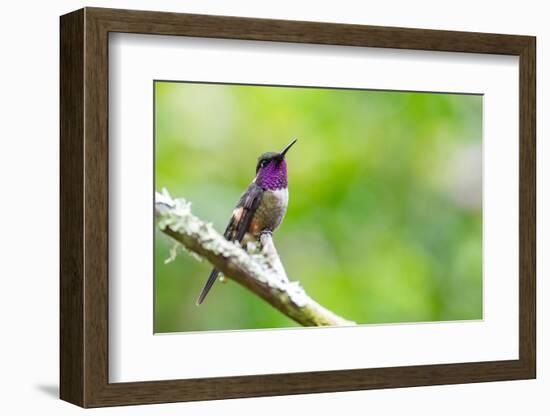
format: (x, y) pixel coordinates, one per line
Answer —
(254, 207)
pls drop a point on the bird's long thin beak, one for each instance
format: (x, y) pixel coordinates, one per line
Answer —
(288, 147)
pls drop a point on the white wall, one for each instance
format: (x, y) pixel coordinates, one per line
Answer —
(29, 208)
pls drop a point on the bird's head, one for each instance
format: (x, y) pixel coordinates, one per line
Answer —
(271, 169)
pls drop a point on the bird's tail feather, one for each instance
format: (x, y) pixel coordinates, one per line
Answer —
(208, 285)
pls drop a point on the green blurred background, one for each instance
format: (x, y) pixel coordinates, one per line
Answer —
(384, 222)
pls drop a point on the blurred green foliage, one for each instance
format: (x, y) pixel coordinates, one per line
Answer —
(384, 222)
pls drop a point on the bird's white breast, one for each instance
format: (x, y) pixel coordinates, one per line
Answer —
(277, 199)
(272, 209)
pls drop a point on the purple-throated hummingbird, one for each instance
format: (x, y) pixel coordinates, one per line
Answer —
(261, 207)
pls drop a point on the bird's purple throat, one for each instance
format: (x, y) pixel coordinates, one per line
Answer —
(273, 176)
(271, 171)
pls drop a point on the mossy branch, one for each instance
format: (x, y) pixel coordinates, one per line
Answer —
(261, 272)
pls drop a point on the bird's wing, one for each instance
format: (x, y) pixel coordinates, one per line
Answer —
(243, 213)
(237, 227)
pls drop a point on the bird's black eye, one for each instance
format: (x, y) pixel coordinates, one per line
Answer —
(262, 163)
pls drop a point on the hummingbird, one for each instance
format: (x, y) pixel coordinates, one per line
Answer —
(261, 207)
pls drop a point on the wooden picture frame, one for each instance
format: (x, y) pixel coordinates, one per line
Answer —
(84, 207)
